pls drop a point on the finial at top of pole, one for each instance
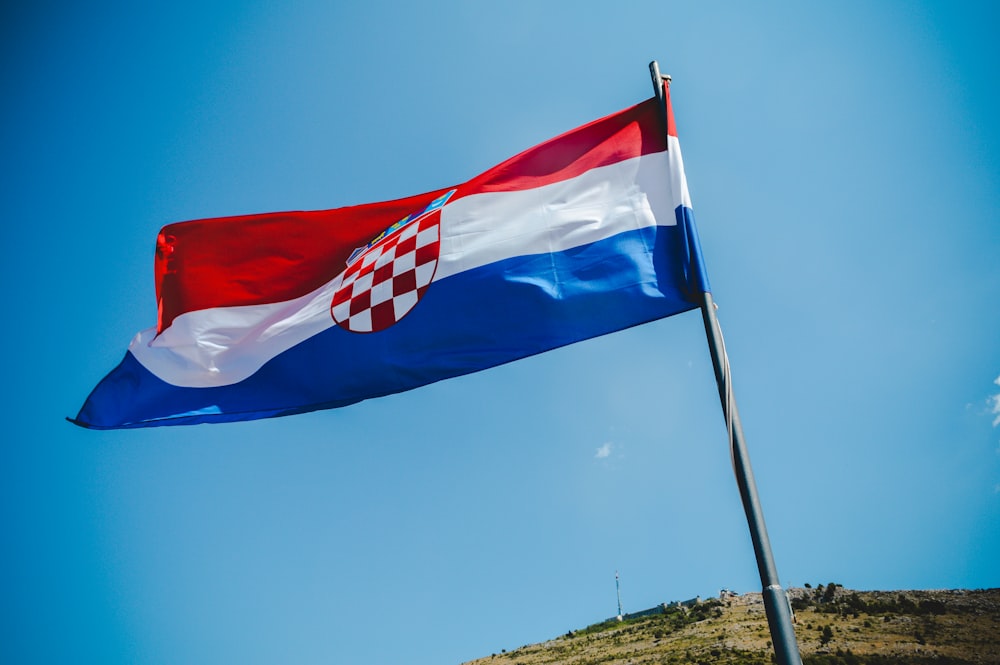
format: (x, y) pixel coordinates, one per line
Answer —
(654, 73)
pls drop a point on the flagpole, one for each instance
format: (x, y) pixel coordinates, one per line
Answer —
(776, 606)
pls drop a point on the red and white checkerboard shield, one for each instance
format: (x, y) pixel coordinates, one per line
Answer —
(386, 281)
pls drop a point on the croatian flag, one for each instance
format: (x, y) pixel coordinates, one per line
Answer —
(282, 313)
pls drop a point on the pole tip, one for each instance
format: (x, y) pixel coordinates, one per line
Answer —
(658, 79)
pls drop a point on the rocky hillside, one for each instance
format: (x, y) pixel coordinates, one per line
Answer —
(835, 626)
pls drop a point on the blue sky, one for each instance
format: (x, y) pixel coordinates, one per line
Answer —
(843, 163)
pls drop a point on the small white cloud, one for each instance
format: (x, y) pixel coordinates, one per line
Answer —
(994, 402)
(603, 451)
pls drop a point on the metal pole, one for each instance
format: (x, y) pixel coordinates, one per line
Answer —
(776, 606)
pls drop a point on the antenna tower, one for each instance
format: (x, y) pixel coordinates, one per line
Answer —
(618, 590)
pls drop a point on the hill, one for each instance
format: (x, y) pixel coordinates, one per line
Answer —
(834, 626)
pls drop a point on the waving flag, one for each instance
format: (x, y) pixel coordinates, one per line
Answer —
(282, 313)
